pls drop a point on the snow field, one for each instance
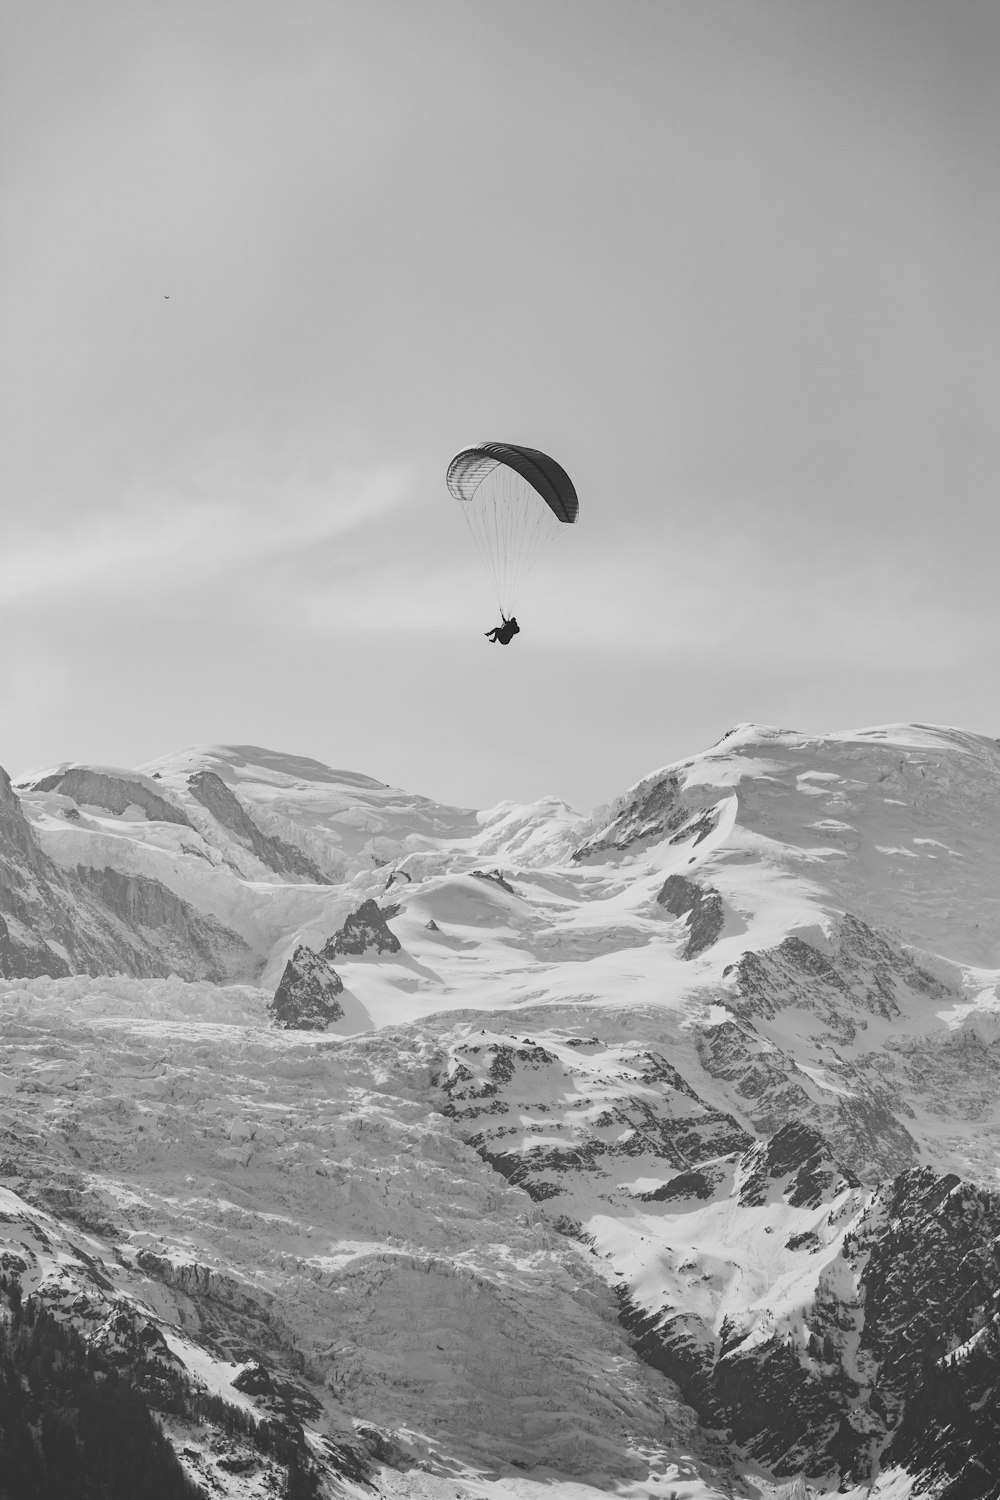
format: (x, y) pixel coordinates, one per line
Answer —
(297, 1192)
(302, 1197)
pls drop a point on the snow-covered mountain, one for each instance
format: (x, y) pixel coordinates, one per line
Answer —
(467, 1152)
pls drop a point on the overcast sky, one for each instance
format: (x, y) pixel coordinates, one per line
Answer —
(264, 267)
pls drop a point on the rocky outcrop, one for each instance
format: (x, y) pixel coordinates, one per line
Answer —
(306, 998)
(496, 877)
(657, 807)
(861, 976)
(861, 1105)
(702, 905)
(113, 793)
(126, 1338)
(949, 1435)
(895, 1357)
(797, 1165)
(274, 853)
(25, 899)
(275, 1393)
(364, 931)
(171, 937)
(55, 922)
(793, 1171)
(861, 1122)
(654, 1115)
(903, 1327)
(23, 958)
(651, 810)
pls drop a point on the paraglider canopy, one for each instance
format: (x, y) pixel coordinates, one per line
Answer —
(514, 500)
(548, 479)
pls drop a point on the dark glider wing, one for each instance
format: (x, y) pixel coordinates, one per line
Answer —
(548, 479)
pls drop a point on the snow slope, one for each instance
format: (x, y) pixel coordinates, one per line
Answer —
(619, 1104)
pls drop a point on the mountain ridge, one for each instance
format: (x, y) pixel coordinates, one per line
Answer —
(714, 1054)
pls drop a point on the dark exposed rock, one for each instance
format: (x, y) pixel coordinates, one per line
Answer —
(226, 808)
(861, 1124)
(242, 1317)
(236, 1464)
(91, 921)
(383, 1446)
(662, 1116)
(799, 1154)
(113, 793)
(26, 903)
(676, 1352)
(949, 1433)
(184, 941)
(127, 1337)
(254, 1380)
(684, 1185)
(522, 1169)
(696, 828)
(280, 1395)
(702, 905)
(898, 1358)
(862, 976)
(496, 877)
(789, 1416)
(305, 999)
(28, 960)
(16, 841)
(656, 810)
(364, 929)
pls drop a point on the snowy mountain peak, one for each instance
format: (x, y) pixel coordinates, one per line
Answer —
(366, 1084)
(255, 763)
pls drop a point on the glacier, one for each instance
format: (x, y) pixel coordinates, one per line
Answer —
(658, 1152)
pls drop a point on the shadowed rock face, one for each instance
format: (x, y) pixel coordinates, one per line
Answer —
(26, 905)
(277, 855)
(495, 876)
(654, 1114)
(860, 977)
(860, 982)
(113, 793)
(896, 1335)
(701, 905)
(799, 1154)
(90, 921)
(656, 809)
(365, 929)
(305, 999)
(917, 1277)
(178, 939)
(862, 1125)
(36, 909)
(28, 960)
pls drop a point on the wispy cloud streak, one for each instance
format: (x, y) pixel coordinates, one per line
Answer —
(160, 543)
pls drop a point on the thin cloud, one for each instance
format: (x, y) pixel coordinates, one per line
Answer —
(156, 544)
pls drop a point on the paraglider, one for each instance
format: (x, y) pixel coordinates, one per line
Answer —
(514, 499)
(504, 633)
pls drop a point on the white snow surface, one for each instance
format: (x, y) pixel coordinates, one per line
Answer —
(330, 1208)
